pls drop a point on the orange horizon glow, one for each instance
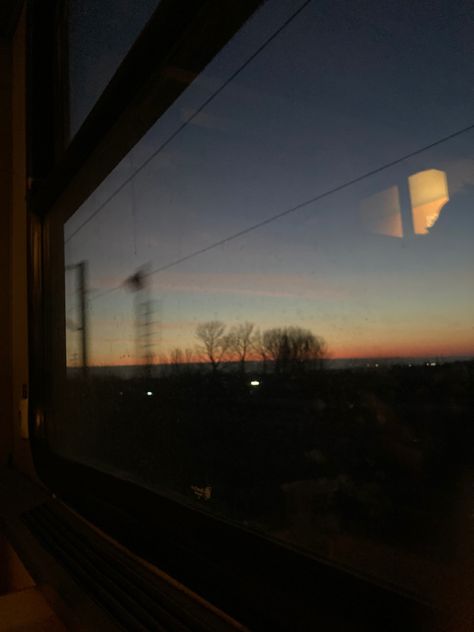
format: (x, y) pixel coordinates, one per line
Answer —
(387, 353)
(387, 341)
(401, 333)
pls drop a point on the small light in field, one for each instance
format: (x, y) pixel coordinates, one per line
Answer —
(254, 383)
(149, 393)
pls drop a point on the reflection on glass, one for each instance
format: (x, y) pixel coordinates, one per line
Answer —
(382, 214)
(307, 375)
(428, 195)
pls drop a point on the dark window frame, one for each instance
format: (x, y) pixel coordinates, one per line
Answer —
(260, 582)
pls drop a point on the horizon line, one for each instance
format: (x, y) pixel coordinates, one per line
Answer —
(468, 356)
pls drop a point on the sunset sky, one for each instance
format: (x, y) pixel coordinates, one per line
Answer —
(345, 88)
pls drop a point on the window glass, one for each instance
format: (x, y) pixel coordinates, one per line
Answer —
(269, 314)
(100, 34)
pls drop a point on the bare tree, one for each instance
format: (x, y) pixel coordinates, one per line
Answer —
(259, 347)
(176, 359)
(293, 348)
(240, 342)
(214, 342)
(188, 356)
(180, 360)
(176, 356)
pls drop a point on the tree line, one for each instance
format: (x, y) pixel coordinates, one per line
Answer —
(285, 349)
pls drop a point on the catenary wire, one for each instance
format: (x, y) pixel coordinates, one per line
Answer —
(189, 120)
(297, 207)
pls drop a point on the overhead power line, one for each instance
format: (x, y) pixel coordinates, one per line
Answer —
(189, 120)
(299, 206)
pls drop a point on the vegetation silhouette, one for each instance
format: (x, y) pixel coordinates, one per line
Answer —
(241, 341)
(293, 349)
(345, 462)
(213, 342)
(289, 349)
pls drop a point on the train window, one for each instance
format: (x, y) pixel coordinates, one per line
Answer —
(99, 35)
(264, 312)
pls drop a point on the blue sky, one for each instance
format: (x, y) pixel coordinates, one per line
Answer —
(345, 88)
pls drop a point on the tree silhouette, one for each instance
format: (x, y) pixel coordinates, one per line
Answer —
(180, 360)
(260, 349)
(288, 348)
(292, 348)
(176, 356)
(214, 342)
(240, 342)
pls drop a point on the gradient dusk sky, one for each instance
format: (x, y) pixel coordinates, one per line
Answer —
(344, 88)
